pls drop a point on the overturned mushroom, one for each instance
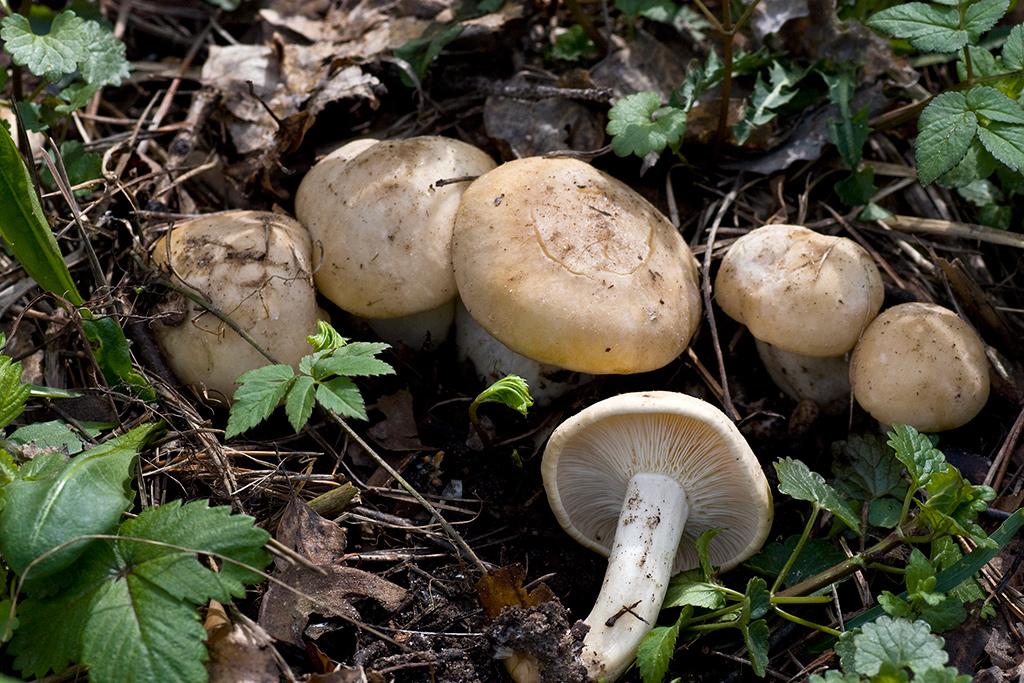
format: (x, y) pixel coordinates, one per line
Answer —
(383, 227)
(639, 477)
(801, 293)
(922, 365)
(256, 268)
(568, 267)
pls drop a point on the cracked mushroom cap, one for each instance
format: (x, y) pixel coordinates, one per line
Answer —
(922, 365)
(798, 290)
(382, 229)
(592, 456)
(256, 267)
(568, 266)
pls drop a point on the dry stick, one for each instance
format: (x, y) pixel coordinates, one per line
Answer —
(448, 528)
(997, 471)
(936, 226)
(709, 312)
(844, 568)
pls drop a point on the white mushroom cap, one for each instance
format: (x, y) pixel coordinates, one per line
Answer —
(798, 290)
(383, 230)
(822, 379)
(570, 267)
(254, 266)
(592, 456)
(920, 364)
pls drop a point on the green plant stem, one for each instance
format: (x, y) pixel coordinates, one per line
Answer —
(804, 536)
(907, 500)
(715, 614)
(801, 600)
(844, 568)
(581, 18)
(887, 568)
(809, 624)
(708, 628)
(968, 65)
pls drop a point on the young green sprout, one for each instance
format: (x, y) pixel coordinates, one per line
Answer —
(511, 391)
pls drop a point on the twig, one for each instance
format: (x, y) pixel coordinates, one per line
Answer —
(708, 310)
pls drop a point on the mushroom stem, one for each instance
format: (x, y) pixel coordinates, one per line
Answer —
(824, 379)
(417, 330)
(639, 568)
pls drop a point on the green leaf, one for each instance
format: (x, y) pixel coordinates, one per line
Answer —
(945, 675)
(259, 393)
(655, 652)
(864, 468)
(639, 125)
(857, 188)
(920, 574)
(850, 132)
(986, 101)
(326, 337)
(663, 11)
(983, 15)
(110, 348)
(511, 391)
(81, 166)
(355, 359)
(917, 453)
(688, 588)
(299, 404)
(758, 597)
(8, 469)
(766, 99)
(704, 552)
(1013, 49)
(342, 396)
(573, 45)
(24, 227)
(755, 636)
(817, 556)
(976, 165)
(57, 52)
(945, 615)
(945, 130)
(835, 677)
(52, 435)
(1005, 142)
(420, 52)
(104, 62)
(929, 28)
(954, 503)
(898, 644)
(797, 481)
(13, 394)
(85, 496)
(885, 512)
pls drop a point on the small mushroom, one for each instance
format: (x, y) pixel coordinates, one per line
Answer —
(804, 294)
(640, 477)
(382, 226)
(255, 267)
(922, 365)
(570, 268)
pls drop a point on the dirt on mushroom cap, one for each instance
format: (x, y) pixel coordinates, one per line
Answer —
(568, 266)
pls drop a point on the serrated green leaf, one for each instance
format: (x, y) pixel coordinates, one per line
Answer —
(899, 644)
(977, 164)
(1005, 141)
(639, 125)
(299, 403)
(946, 614)
(953, 504)
(983, 64)
(24, 227)
(944, 675)
(864, 468)
(352, 360)
(57, 52)
(796, 480)
(52, 435)
(8, 468)
(835, 677)
(917, 453)
(326, 338)
(983, 15)
(755, 637)
(37, 646)
(765, 100)
(511, 391)
(259, 393)
(758, 596)
(688, 588)
(929, 28)
(40, 514)
(13, 394)
(342, 396)
(986, 101)
(111, 350)
(655, 652)
(1013, 49)
(816, 556)
(104, 62)
(895, 606)
(945, 130)
(920, 574)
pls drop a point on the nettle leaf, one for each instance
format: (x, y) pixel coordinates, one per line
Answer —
(983, 15)
(45, 511)
(689, 588)
(767, 98)
(954, 503)
(796, 480)
(896, 644)
(1005, 142)
(299, 403)
(945, 131)
(929, 28)
(976, 165)
(755, 636)
(639, 125)
(986, 101)
(259, 393)
(511, 391)
(355, 359)
(655, 651)
(342, 396)
(864, 467)
(57, 52)
(1013, 49)
(917, 453)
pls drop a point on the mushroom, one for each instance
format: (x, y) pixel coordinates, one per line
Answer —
(804, 293)
(921, 365)
(383, 229)
(252, 265)
(570, 268)
(640, 477)
(823, 380)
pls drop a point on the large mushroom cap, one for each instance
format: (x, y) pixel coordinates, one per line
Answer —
(568, 266)
(382, 227)
(798, 290)
(592, 456)
(254, 266)
(920, 364)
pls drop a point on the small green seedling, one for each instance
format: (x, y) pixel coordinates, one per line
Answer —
(511, 391)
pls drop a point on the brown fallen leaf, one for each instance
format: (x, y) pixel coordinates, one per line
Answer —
(532, 128)
(239, 653)
(397, 431)
(504, 588)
